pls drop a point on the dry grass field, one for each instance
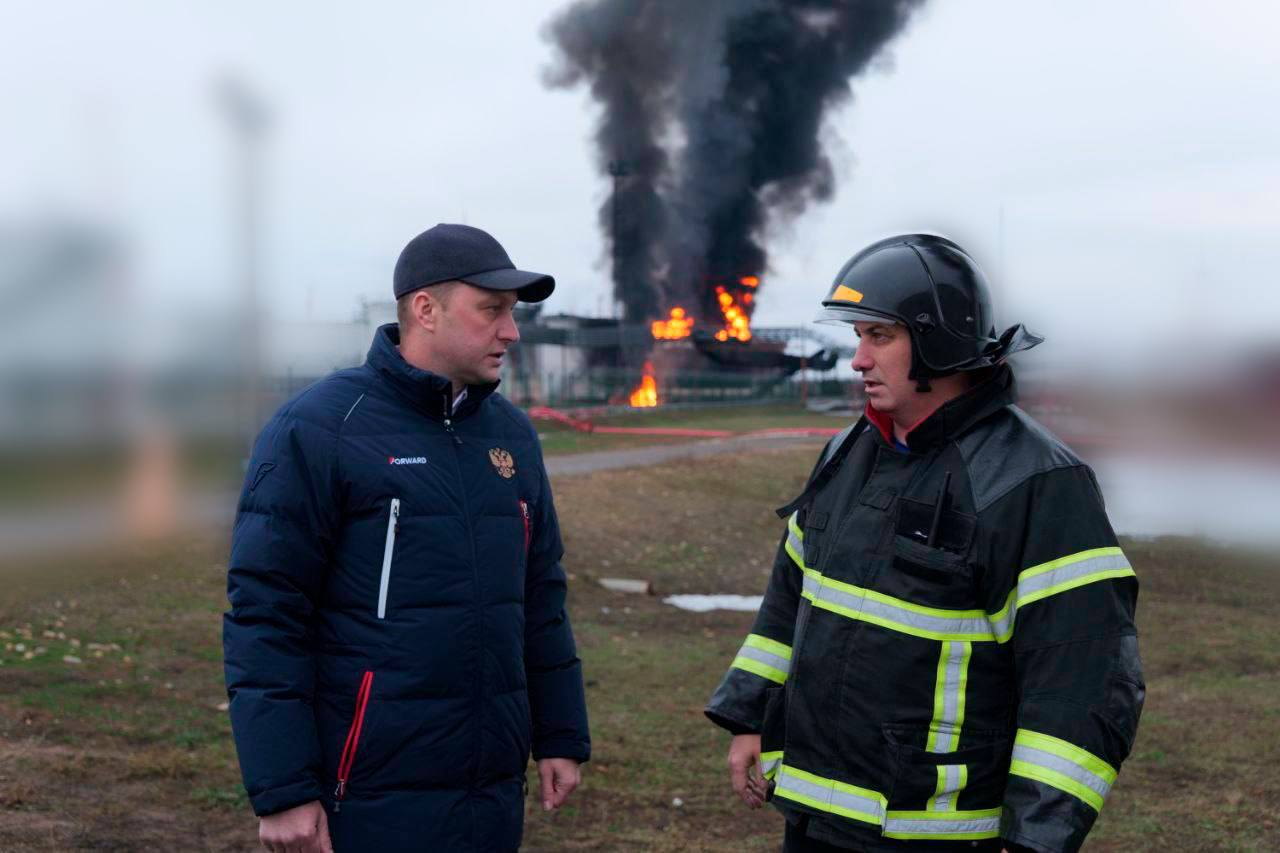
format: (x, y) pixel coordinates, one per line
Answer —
(112, 736)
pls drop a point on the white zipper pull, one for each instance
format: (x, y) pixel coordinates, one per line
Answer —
(388, 550)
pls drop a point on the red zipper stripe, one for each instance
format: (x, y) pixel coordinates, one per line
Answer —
(353, 735)
(524, 515)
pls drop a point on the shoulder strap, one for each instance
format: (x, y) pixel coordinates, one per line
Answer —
(836, 451)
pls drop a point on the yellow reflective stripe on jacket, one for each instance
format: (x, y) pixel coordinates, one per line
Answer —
(829, 795)
(795, 539)
(1062, 765)
(948, 697)
(764, 657)
(863, 804)
(895, 614)
(948, 718)
(769, 763)
(952, 779)
(1055, 576)
(956, 826)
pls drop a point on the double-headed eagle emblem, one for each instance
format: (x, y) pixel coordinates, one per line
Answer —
(502, 462)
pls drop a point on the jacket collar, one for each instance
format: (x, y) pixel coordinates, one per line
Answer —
(956, 415)
(428, 391)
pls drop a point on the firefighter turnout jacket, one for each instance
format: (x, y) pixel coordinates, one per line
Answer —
(946, 651)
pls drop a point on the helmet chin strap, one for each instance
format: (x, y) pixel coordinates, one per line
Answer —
(918, 371)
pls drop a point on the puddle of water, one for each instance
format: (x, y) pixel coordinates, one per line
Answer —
(705, 603)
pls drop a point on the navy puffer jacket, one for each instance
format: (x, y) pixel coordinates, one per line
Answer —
(397, 642)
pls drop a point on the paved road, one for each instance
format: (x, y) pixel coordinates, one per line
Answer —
(636, 457)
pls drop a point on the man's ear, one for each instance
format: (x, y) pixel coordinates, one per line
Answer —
(425, 310)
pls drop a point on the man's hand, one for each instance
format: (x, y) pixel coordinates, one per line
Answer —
(557, 777)
(744, 769)
(301, 829)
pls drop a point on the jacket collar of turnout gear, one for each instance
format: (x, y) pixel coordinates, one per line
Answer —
(428, 391)
(956, 415)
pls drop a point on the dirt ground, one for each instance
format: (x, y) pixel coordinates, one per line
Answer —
(113, 734)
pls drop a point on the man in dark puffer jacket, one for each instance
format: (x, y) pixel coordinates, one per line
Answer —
(397, 642)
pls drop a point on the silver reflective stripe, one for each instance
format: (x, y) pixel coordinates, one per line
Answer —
(783, 665)
(826, 795)
(795, 540)
(861, 605)
(1002, 623)
(1069, 572)
(948, 703)
(1070, 769)
(988, 826)
(393, 523)
(951, 774)
(1056, 576)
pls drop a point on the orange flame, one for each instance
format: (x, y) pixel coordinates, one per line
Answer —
(646, 393)
(679, 326)
(737, 324)
(749, 281)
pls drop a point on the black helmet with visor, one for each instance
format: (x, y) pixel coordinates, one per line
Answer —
(934, 288)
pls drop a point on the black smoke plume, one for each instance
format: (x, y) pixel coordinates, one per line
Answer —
(712, 109)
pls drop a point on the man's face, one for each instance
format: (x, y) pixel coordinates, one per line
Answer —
(884, 360)
(475, 329)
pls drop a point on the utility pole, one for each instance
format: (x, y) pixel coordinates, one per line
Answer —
(247, 117)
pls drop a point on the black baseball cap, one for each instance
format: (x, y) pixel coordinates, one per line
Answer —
(462, 253)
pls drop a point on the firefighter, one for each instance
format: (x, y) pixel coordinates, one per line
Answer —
(946, 655)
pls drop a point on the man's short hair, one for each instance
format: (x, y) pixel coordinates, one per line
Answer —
(441, 291)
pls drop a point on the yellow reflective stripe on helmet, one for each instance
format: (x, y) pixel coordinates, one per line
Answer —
(958, 826)
(1060, 575)
(764, 657)
(828, 795)
(769, 763)
(1062, 765)
(795, 540)
(895, 614)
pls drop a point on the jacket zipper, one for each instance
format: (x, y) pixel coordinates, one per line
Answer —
(476, 755)
(353, 740)
(388, 550)
(524, 516)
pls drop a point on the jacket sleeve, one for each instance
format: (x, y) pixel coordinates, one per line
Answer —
(280, 549)
(1062, 595)
(554, 673)
(764, 660)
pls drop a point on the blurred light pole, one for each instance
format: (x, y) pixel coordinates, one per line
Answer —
(247, 116)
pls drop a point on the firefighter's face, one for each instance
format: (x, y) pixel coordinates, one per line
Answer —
(884, 360)
(476, 328)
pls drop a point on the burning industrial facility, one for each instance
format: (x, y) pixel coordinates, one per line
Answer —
(709, 131)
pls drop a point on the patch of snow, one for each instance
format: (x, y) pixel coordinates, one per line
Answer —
(705, 603)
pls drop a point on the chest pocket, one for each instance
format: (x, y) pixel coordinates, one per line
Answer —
(937, 575)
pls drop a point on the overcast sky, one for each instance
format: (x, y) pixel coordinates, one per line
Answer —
(1132, 150)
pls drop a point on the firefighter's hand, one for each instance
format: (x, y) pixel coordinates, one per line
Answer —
(744, 769)
(301, 829)
(557, 777)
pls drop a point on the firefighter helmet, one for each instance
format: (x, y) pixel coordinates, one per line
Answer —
(930, 285)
